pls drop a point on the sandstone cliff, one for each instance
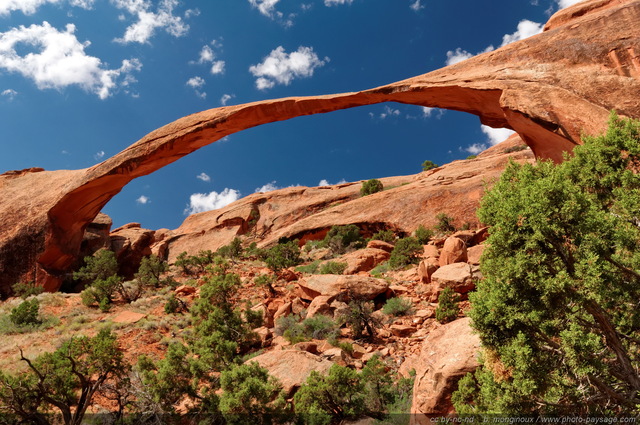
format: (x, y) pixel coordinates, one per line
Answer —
(550, 88)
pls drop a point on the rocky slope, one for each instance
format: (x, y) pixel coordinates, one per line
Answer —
(550, 88)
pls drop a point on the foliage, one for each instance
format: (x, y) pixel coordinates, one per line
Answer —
(360, 319)
(66, 380)
(100, 266)
(25, 290)
(445, 223)
(233, 250)
(173, 305)
(378, 270)
(194, 264)
(559, 302)
(371, 186)
(332, 267)
(385, 236)
(397, 306)
(27, 313)
(516, 148)
(423, 235)
(338, 396)
(405, 252)
(428, 165)
(340, 239)
(102, 292)
(447, 309)
(311, 268)
(150, 271)
(250, 392)
(472, 157)
(316, 327)
(101, 274)
(282, 256)
(267, 281)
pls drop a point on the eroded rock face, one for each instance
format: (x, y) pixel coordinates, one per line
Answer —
(550, 88)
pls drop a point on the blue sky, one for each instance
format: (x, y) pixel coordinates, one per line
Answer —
(80, 80)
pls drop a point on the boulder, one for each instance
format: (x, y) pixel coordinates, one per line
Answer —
(402, 330)
(363, 260)
(341, 287)
(131, 243)
(385, 246)
(320, 305)
(96, 235)
(474, 253)
(448, 353)
(292, 367)
(453, 251)
(430, 251)
(458, 276)
(427, 268)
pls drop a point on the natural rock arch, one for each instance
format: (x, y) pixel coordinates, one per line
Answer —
(549, 88)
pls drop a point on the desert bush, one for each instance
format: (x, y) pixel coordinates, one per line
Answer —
(311, 268)
(371, 186)
(447, 309)
(266, 281)
(423, 235)
(282, 256)
(445, 223)
(384, 235)
(150, 271)
(405, 252)
(232, 251)
(359, 318)
(428, 165)
(25, 290)
(397, 306)
(332, 267)
(173, 305)
(27, 313)
(317, 327)
(340, 239)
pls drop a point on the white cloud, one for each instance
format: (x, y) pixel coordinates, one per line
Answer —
(496, 135)
(218, 67)
(266, 7)
(334, 2)
(281, 67)
(29, 7)
(57, 60)
(199, 202)
(427, 112)
(98, 155)
(196, 83)
(526, 28)
(208, 56)
(271, 186)
(458, 55)
(325, 182)
(566, 3)
(143, 200)
(148, 22)
(9, 94)
(476, 148)
(204, 177)
(225, 98)
(389, 112)
(416, 5)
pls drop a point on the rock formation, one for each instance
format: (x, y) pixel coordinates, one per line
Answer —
(549, 88)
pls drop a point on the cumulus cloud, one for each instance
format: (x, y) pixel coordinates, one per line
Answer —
(204, 177)
(196, 83)
(10, 94)
(98, 155)
(389, 112)
(209, 56)
(199, 202)
(496, 135)
(416, 5)
(148, 21)
(143, 200)
(566, 3)
(266, 7)
(29, 7)
(281, 67)
(526, 28)
(325, 182)
(334, 2)
(56, 59)
(271, 186)
(493, 136)
(226, 98)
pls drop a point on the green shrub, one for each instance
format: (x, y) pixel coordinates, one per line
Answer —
(447, 309)
(472, 157)
(397, 306)
(150, 271)
(428, 165)
(25, 290)
(445, 223)
(385, 236)
(282, 256)
(317, 327)
(516, 148)
(359, 318)
(232, 251)
(266, 281)
(371, 186)
(311, 268)
(173, 305)
(380, 269)
(332, 267)
(423, 235)
(340, 239)
(405, 252)
(27, 313)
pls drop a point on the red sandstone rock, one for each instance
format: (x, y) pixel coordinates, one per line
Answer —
(341, 287)
(385, 246)
(448, 353)
(430, 251)
(543, 87)
(320, 305)
(363, 260)
(453, 251)
(458, 276)
(427, 268)
(131, 243)
(474, 253)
